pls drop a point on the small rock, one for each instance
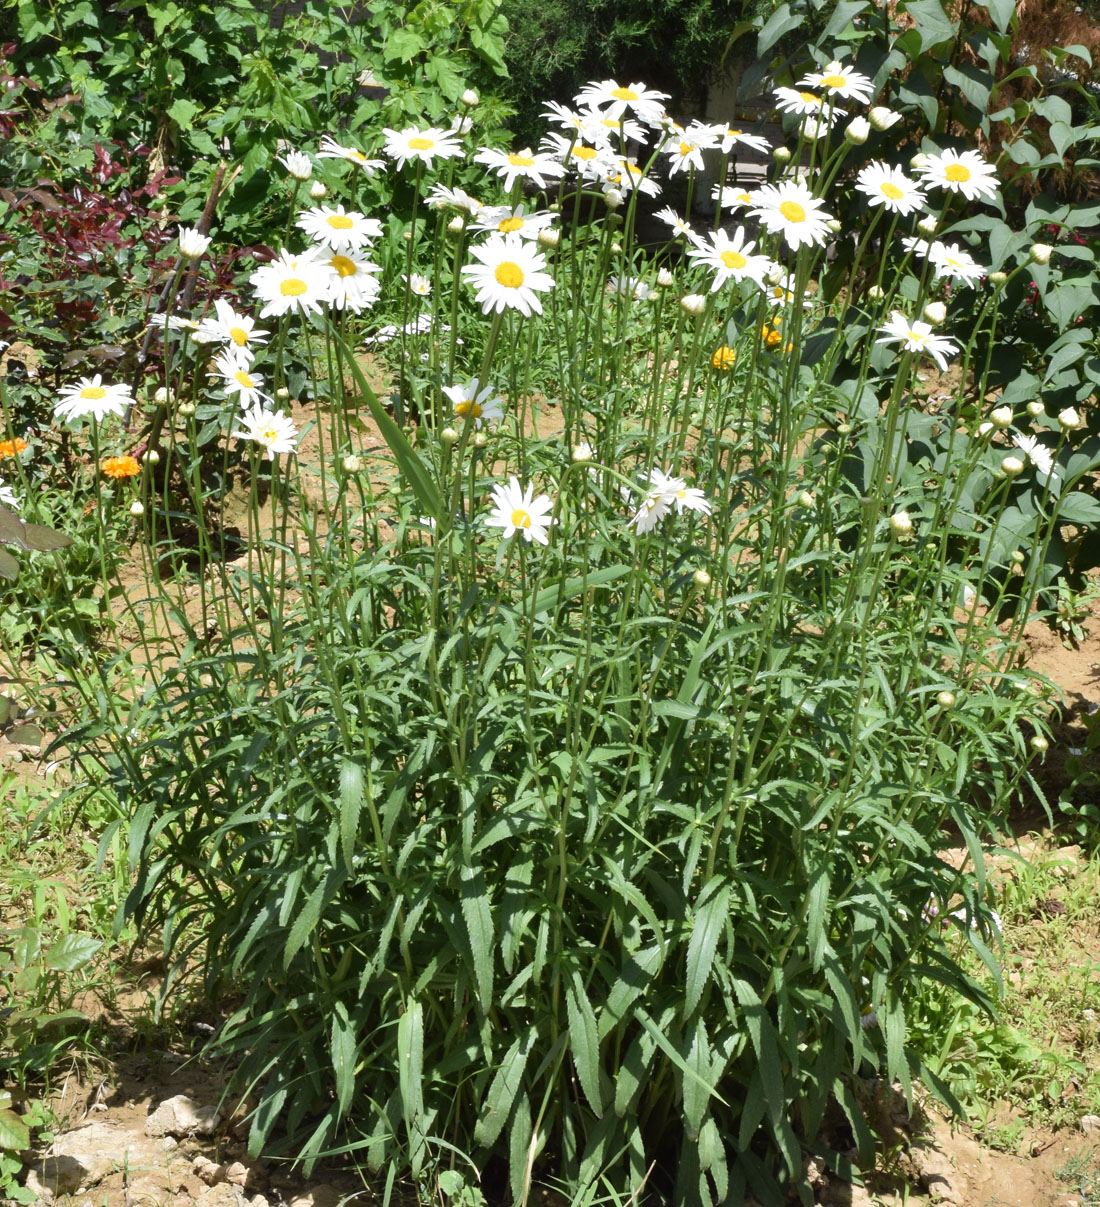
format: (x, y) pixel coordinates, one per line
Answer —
(42, 1194)
(320, 1196)
(210, 1171)
(258, 1200)
(182, 1116)
(1089, 1124)
(238, 1173)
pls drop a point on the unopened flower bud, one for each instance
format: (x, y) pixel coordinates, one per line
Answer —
(835, 225)
(137, 507)
(469, 98)
(449, 436)
(1069, 419)
(1016, 557)
(985, 429)
(806, 499)
(665, 279)
(152, 457)
(480, 439)
(701, 579)
(857, 131)
(1040, 253)
(161, 396)
(456, 225)
(927, 226)
(901, 525)
(549, 237)
(186, 408)
(882, 118)
(1035, 408)
(843, 429)
(297, 164)
(318, 191)
(612, 198)
(1039, 744)
(407, 236)
(352, 464)
(582, 452)
(1012, 467)
(876, 293)
(1001, 417)
(616, 249)
(997, 279)
(935, 313)
(282, 393)
(919, 160)
(781, 154)
(694, 303)
(945, 699)
(193, 243)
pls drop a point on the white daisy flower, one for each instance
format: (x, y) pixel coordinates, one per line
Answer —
(568, 119)
(89, 396)
(840, 80)
(331, 149)
(238, 378)
(272, 430)
(424, 145)
(629, 176)
(790, 209)
(341, 231)
(646, 104)
(193, 243)
(731, 196)
(805, 104)
(960, 172)
(298, 164)
(226, 326)
(664, 493)
(680, 226)
(603, 130)
(817, 127)
(418, 284)
(351, 285)
(292, 282)
(917, 336)
(517, 509)
(950, 260)
(730, 138)
(889, 187)
(511, 274)
(730, 258)
(8, 496)
(629, 287)
(473, 401)
(505, 220)
(683, 154)
(511, 166)
(1038, 454)
(440, 197)
(593, 163)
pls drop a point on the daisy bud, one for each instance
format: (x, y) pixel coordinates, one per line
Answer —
(297, 165)
(882, 118)
(612, 199)
(1012, 467)
(1040, 253)
(456, 225)
(694, 303)
(775, 276)
(282, 393)
(469, 98)
(665, 279)
(616, 249)
(901, 525)
(152, 457)
(161, 396)
(582, 452)
(481, 439)
(857, 131)
(835, 225)
(449, 436)
(945, 699)
(997, 279)
(1035, 408)
(919, 160)
(137, 507)
(193, 243)
(317, 191)
(407, 236)
(984, 429)
(843, 429)
(1016, 557)
(1001, 417)
(186, 408)
(806, 499)
(701, 579)
(935, 313)
(549, 237)
(781, 155)
(876, 293)
(1069, 419)
(927, 226)
(351, 464)
(1039, 744)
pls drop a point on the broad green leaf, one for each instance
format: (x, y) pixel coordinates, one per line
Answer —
(71, 952)
(634, 1071)
(1003, 13)
(14, 1133)
(842, 16)
(708, 922)
(933, 24)
(780, 22)
(584, 1040)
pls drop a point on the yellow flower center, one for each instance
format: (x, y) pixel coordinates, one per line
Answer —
(243, 379)
(809, 98)
(269, 435)
(510, 224)
(634, 170)
(520, 518)
(792, 211)
(358, 156)
(624, 94)
(468, 408)
(239, 336)
(421, 144)
(733, 133)
(509, 274)
(744, 198)
(686, 147)
(520, 161)
(339, 222)
(343, 266)
(891, 190)
(957, 173)
(610, 124)
(293, 288)
(92, 392)
(584, 152)
(733, 259)
(833, 81)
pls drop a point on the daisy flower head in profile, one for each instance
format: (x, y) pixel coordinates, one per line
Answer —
(731, 258)
(8, 496)
(1038, 454)
(292, 282)
(510, 166)
(424, 146)
(237, 378)
(506, 220)
(629, 176)
(352, 285)
(440, 198)
(950, 260)
(517, 509)
(419, 285)
(509, 275)
(917, 336)
(475, 403)
(193, 243)
(298, 164)
(731, 196)
(593, 163)
(664, 493)
(681, 228)
(959, 172)
(90, 397)
(615, 99)
(731, 137)
(613, 132)
(628, 287)
(840, 80)
(272, 430)
(226, 326)
(341, 231)
(804, 104)
(331, 149)
(815, 127)
(889, 187)
(790, 209)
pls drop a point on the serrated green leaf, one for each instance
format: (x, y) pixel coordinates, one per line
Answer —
(351, 801)
(343, 1053)
(709, 919)
(503, 1089)
(71, 952)
(584, 1040)
(479, 928)
(410, 1057)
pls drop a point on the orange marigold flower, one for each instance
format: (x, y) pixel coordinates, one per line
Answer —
(723, 357)
(120, 467)
(11, 448)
